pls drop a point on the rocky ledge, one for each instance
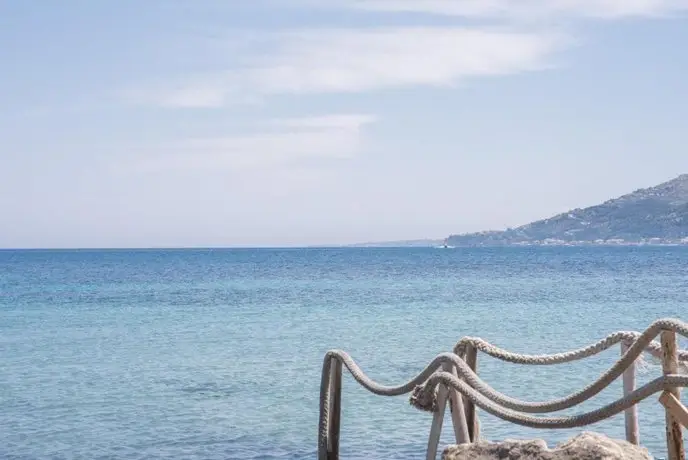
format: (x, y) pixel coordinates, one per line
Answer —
(586, 446)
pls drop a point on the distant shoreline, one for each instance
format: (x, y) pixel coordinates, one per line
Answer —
(350, 246)
(523, 245)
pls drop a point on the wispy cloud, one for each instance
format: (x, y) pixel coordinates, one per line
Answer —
(357, 60)
(608, 9)
(280, 143)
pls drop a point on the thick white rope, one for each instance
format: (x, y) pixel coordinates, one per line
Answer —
(587, 418)
(642, 342)
(628, 337)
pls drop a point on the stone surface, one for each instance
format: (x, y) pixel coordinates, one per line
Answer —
(586, 446)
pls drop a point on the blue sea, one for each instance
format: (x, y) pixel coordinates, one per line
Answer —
(216, 354)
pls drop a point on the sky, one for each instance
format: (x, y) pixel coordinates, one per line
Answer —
(208, 123)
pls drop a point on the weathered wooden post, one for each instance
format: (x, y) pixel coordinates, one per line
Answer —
(335, 409)
(631, 414)
(676, 408)
(471, 416)
(674, 436)
(458, 414)
(438, 417)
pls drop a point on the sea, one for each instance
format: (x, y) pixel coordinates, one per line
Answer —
(217, 353)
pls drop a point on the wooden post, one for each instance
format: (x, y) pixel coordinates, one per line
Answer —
(471, 416)
(335, 409)
(438, 419)
(673, 427)
(458, 414)
(676, 408)
(631, 415)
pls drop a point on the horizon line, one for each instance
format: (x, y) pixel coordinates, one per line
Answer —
(181, 248)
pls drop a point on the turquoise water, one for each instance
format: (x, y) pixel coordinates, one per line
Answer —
(216, 354)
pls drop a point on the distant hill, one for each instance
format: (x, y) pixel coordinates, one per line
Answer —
(655, 215)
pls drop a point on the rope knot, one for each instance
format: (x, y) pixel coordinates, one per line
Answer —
(424, 397)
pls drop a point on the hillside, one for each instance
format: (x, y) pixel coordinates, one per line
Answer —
(657, 215)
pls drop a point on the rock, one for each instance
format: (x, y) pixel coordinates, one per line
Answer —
(585, 446)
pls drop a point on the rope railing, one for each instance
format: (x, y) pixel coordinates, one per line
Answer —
(452, 377)
(624, 337)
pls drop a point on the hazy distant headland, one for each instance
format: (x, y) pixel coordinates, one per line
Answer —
(652, 216)
(398, 244)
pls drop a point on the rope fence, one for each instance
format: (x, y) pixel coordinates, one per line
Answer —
(452, 379)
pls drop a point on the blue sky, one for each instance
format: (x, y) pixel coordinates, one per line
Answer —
(295, 122)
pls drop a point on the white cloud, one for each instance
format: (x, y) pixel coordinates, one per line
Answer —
(197, 91)
(316, 61)
(286, 142)
(335, 121)
(356, 60)
(205, 95)
(521, 8)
